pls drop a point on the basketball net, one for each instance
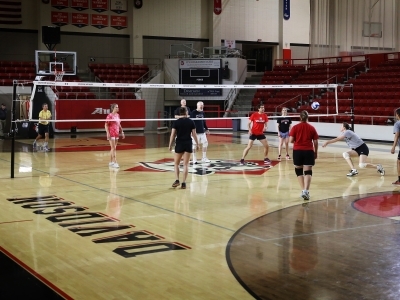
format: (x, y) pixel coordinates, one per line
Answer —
(58, 75)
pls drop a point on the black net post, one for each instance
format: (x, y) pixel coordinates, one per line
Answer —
(13, 126)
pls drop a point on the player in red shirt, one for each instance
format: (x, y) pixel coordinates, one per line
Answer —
(258, 123)
(304, 138)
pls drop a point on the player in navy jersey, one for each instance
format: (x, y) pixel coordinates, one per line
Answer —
(201, 131)
(284, 124)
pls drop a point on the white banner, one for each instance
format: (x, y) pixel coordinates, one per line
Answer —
(230, 44)
(200, 64)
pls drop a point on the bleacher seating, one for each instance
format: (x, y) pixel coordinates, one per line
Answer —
(129, 73)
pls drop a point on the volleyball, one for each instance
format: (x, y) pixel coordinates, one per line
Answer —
(315, 105)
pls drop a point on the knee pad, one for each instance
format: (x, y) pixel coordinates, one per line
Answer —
(205, 144)
(362, 165)
(346, 155)
(299, 171)
(308, 172)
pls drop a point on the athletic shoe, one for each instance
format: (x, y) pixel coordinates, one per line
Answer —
(353, 172)
(381, 170)
(110, 164)
(205, 160)
(242, 162)
(183, 185)
(34, 144)
(115, 165)
(287, 157)
(305, 195)
(397, 182)
(279, 157)
(45, 149)
(267, 161)
(176, 183)
(194, 162)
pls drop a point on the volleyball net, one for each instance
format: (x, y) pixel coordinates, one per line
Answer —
(147, 106)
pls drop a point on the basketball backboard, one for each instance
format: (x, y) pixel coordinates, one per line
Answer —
(49, 61)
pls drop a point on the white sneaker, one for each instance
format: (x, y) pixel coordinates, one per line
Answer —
(110, 164)
(353, 172)
(205, 160)
(115, 165)
(45, 149)
(380, 169)
(305, 195)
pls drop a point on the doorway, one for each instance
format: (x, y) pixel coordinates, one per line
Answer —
(263, 54)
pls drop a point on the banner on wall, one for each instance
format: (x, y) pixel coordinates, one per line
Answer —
(230, 43)
(80, 4)
(217, 7)
(99, 21)
(286, 9)
(99, 5)
(119, 22)
(59, 4)
(10, 12)
(79, 20)
(59, 18)
(119, 6)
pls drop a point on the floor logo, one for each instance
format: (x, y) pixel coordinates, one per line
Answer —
(217, 166)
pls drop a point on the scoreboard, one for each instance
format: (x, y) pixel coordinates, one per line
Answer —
(200, 71)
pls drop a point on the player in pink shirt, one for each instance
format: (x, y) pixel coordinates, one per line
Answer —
(112, 126)
(257, 125)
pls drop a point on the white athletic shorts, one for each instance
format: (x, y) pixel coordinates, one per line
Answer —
(201, 137)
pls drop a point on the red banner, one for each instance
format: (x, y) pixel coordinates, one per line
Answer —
(98, 109)
(79, 20)
(59, 4)
(99, 21)
(59, 18)
(99, 5)
(217, 7)
(119, 22)
(80, 4)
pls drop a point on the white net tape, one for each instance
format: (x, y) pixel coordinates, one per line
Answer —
(151, 94)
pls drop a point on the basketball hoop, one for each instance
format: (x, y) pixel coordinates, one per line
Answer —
(58, 75)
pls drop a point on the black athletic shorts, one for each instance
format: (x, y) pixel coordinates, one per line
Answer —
(259, 137)
(43, 129)
(363, 149)
(303, 157)
(398, 156)
(181, 147)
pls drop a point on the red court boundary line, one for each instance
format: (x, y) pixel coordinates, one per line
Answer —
(37, 275)
(15, 221)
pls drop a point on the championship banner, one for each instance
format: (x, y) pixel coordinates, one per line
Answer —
(119, 6)
(99, 21)
(286, 9)
(119, 22)
(80, 4)
(217, 7)
(79, 20)
(59, 18)
(60, 4)
(99, 5)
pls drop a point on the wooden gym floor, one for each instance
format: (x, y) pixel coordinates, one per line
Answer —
(71, 227)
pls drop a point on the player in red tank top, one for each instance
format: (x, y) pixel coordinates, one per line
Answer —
(258, 123)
